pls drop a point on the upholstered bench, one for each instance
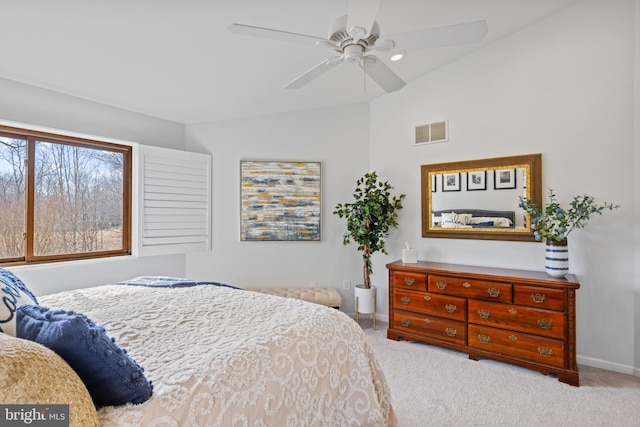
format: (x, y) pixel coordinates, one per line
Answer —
(325, 296)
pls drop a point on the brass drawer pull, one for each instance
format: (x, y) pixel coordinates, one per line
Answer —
(545, 352)
(484, 314)
(545, 324)
(409, 281)
(405, 300)
(441, 285)
(484, 339)
(427, 320)
(513, 311)
(451, 308)
(427, 298)
(539, 298)
(513, 338)
(494, 292)
(451, 332)
(405, 322)
(466, 285)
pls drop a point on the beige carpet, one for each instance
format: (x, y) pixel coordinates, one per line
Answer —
(432, 386)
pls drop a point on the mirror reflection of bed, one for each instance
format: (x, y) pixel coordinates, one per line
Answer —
(474, 218)
(478, 199)
(496, 199)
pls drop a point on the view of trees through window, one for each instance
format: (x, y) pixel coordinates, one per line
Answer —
(13, 180)
(77, 200)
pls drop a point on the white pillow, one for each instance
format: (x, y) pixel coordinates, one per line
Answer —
(450, 218)
(464, 218)
(13, 294)
(454, 218)
(502, 222)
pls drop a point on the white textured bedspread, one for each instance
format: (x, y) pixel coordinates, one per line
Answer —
(224, 357)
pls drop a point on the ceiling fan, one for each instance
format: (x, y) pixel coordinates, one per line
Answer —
(357, 34)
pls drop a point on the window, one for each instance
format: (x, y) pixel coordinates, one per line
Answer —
(62, 198)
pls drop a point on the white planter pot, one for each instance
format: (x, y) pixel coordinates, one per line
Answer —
(365, 299)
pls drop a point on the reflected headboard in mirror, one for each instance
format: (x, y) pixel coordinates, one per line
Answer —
(478, 199)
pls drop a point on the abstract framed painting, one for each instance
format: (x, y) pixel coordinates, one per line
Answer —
(279, 201)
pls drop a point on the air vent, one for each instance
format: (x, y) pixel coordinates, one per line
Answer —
(432, 132)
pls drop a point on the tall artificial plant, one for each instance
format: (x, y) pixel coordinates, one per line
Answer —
(369, 218)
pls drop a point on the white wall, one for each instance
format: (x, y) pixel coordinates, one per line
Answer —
(28, 104)
(34, 106)
(339, 138)
(637, 189)
(563, 87)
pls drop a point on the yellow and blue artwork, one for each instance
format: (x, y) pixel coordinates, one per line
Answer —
(279, 201)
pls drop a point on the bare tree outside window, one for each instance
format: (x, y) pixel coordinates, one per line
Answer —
(13, 154)
(79, 203)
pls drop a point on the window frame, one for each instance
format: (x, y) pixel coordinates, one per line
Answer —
(31, 136)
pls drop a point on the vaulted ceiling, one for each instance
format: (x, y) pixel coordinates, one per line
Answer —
(178, 61)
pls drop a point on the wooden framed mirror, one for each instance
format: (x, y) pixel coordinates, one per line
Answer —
(478, 199)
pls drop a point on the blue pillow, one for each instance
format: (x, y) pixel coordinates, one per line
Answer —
(13, 294)
(109, 373)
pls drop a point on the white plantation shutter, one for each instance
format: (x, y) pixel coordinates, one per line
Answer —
(175, 202)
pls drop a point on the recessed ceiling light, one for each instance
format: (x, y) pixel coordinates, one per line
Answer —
(398, 56)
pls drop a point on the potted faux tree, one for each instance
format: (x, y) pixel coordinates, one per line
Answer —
(370, 216)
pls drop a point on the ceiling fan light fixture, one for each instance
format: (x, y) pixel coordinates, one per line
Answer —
(353, 53)
(398, 56)
(355, 36)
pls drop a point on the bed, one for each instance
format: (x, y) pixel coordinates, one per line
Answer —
(220, 356)
(473, 218)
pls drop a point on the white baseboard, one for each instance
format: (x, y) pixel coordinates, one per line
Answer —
(382, 318)
(609, 366)
(379, 317)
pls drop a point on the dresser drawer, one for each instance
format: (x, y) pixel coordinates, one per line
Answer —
(429, 303)
(523, 346)
(550, 299)
(415, 281)
(470, 288)
(434, 327)
(524, 319)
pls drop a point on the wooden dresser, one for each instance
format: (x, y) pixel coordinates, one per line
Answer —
(523, 317)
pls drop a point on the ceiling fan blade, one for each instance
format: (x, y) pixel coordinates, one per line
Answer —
(362, 14)
(470, 32)
(269, 33)
(381, 74)
(314, 73)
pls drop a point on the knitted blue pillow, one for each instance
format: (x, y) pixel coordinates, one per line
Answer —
(13, 294)
(109, 373)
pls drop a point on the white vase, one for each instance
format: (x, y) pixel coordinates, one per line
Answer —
(365, 299)
(556, 258)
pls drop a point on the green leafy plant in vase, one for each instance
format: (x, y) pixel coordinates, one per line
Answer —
(371, 215)
(554, 223)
